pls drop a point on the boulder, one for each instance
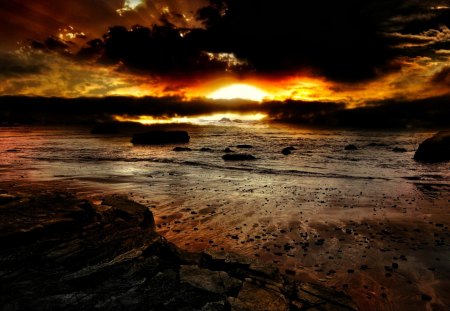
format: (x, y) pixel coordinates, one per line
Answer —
(227, 150)
(205, 149)
(351, 147)
(218, 282)
(397, 149)
(253, 297)
(287, 150)
(105, 129)
(160, 138)
(130, 211)
(178, 149)
(244, 146)
(434, 149)
(238, 157)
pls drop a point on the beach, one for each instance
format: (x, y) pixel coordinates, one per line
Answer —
(371, 222)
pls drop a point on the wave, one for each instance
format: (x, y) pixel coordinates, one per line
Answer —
(210, 165)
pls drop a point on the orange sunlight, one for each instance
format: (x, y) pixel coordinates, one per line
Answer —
(239, 91)
(224, 118)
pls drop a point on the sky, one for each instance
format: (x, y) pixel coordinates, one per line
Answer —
(350, 51)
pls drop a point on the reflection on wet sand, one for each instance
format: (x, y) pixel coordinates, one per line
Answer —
(371, 223)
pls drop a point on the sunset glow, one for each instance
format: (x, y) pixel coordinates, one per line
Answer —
(239, 91)
(218, 118)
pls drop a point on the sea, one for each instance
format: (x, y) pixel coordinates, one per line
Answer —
(370, 222)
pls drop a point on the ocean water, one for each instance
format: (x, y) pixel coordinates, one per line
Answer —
(320, 212)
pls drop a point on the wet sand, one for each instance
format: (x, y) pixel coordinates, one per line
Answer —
(389, 254)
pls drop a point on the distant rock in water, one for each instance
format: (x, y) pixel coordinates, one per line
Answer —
(205, 149)
(238, 157)
(287, 150)
(397, 149)
(105, 129)
(227, 150)
(434, 149)
(160, 138)
(351, 147)
(181, 149)
(244, 146)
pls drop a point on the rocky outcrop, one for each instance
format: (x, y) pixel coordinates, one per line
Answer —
(351, 147)
(244, 146)
(287, 150)
(238, 157)
(181, 149)
(399, 149)
(160, 138)
(62, 253)
(434, 149)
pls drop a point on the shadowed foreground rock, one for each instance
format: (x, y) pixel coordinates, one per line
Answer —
(61, 253)
(434, 149)
(160, 138)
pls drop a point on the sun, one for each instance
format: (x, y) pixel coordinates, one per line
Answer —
(239, 91)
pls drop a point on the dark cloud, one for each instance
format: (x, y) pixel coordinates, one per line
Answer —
(427, 113)
(13, 65)
(345, 41)
(442, 78)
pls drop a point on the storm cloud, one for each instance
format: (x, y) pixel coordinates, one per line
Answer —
(344, 41)
(428, 113)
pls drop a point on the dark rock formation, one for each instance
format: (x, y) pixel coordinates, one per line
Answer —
(287, 150)
(434, 149)
(244, 146)
(351, 147)
(205, 149)
(182, 149)
(105, 129)
(227, 150)
(160, 138)
(238, 157)
(398, 149)
(62, 253)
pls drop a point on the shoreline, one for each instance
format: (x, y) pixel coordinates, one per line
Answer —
(365, 271)
(62, 251)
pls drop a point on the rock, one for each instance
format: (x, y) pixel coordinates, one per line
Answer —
(160, 138)
(106, 256)
(227, 150)
(244, 146)
(328, 299)
(397, 149)
(287, 150)
(434, 149)
(130, 211)
(253, 297)
(6, 198)
(351, 147)
(238, 157)
(105, 129)
(218, 282)
(178, 149)
(426, 297)
(205, 149)
(214, 306)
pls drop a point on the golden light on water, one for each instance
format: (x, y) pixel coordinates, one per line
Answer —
(239, 91)
(224, 118)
